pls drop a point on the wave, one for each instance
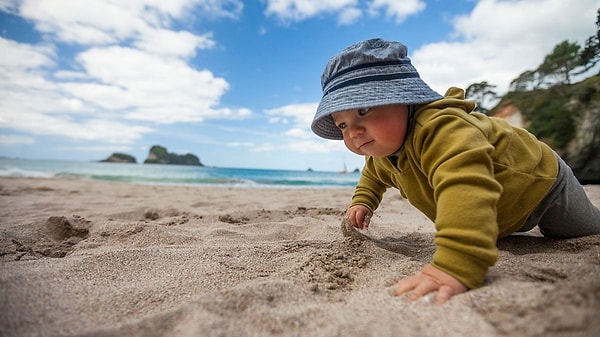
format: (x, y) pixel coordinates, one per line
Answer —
(174, 174)
(22, 173)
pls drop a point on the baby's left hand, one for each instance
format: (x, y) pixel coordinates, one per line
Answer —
(430, 279)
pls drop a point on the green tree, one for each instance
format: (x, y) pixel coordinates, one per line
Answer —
(482, 93)
(528, 80)
(563, 62)
(560, 63)
(590, 55)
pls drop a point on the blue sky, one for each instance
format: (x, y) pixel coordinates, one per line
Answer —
(237, 82)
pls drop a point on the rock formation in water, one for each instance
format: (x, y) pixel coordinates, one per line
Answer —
(159, 155)
(119, 158)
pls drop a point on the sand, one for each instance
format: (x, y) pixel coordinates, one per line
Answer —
(88, 258)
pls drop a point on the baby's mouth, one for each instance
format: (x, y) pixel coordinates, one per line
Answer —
(365, 144)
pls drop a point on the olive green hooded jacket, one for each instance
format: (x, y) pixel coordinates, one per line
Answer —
(476, 177)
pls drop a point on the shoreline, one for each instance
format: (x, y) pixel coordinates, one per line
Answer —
(178, 175)
(95, 258)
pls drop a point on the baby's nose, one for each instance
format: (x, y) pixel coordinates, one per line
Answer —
(356, 130)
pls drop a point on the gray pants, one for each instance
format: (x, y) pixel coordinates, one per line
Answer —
(566, 211)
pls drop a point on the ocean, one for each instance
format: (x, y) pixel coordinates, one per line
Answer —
(175, 174)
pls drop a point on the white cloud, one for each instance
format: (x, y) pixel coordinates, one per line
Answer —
(266, 147)
(348, 11)
(397, 9)
(499, 40)
(308, 146)
(349, 16)
(10, 6)
(102, 149)
(81, 22)
(239, 144)
(298, 10)
(109, 131)
(216, 8)
(20, 56)
(299, 133)
(94, 22)
(299, 137)
(302, 146)
(178, 44)
(300, 114)
(147, 79)
(13, 140)
(149, 87)
(24, 87)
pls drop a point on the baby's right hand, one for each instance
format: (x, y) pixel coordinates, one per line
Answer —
(359, 216)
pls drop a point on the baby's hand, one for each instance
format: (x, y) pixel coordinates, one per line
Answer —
(359, 216)
(430, 279)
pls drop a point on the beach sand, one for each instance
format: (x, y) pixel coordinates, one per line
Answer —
(88, 258)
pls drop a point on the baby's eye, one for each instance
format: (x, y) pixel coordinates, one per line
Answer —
(362, 112)
(341, 126)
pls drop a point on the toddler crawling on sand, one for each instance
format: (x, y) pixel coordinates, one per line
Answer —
(476, 177)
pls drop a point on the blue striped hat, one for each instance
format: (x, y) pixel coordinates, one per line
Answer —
(367, 74)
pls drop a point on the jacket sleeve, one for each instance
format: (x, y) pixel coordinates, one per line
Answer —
(370, 189)
(455, 155)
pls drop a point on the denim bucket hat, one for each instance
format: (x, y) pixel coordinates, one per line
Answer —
(367, 74)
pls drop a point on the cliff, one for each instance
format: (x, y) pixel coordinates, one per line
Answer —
(566, 117)
(160, 155)
(119, 158)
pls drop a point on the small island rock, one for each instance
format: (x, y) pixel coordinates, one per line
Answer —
(159, 155)
(119, 158)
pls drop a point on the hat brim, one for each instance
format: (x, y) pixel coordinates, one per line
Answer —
(406, 91)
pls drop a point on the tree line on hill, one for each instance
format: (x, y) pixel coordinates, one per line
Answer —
(566, 60)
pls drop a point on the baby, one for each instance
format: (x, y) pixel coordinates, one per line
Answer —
(476, 177)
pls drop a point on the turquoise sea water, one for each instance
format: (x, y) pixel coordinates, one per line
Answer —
(175, 174)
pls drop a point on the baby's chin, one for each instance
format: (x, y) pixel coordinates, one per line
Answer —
(375, 155)
(371, 154)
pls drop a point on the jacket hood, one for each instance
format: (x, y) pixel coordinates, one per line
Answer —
(454, 97)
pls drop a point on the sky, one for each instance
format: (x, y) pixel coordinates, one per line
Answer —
(237, 82)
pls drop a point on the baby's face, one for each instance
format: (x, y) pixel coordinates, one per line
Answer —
(377, 132)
